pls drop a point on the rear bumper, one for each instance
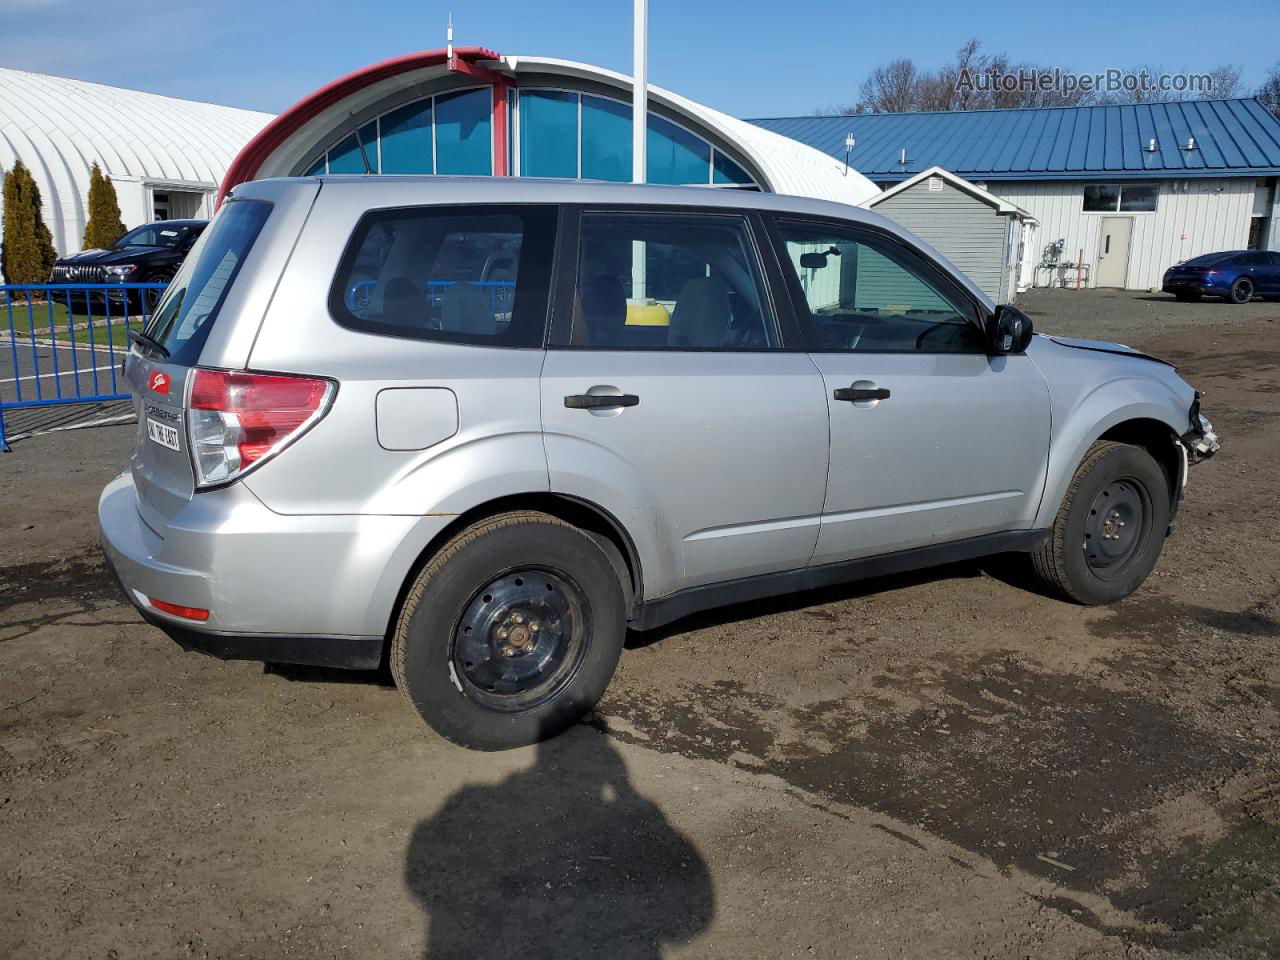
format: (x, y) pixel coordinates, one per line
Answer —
(289, 589)
(1189, 286)
(347, 653)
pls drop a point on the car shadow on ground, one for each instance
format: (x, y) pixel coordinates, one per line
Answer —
(564, 859)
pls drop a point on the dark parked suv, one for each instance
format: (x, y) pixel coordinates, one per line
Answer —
(150, 254)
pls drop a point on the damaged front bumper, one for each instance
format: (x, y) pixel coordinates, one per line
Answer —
(1200, 441)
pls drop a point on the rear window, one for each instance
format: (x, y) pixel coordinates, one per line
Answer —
(186, 315)
(476, 274)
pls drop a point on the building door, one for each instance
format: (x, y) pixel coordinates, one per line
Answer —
(1113, 251)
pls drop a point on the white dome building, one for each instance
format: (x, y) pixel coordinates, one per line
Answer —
(165, 156)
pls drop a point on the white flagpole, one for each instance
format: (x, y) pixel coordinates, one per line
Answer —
(640, 91)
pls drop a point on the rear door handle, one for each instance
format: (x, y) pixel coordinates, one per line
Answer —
(861, 393)
(596, 401)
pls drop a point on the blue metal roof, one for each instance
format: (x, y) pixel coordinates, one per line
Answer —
(1233, 138)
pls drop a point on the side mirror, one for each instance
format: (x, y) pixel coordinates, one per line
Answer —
(1008, 330)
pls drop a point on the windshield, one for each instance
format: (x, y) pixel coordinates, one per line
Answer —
(190, 306)
(154, 235)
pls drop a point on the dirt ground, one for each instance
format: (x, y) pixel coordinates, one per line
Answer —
(947, 764)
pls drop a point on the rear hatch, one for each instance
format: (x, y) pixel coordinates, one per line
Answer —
(218, 289)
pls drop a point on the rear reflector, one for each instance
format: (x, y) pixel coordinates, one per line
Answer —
(173, 609)
(236, 420)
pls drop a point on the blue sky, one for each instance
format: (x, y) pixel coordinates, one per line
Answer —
(747, 57)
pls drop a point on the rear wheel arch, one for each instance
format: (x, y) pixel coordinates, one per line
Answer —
(595, 521)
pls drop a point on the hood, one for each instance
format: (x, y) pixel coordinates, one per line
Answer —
(106, 257)
(1102, 346)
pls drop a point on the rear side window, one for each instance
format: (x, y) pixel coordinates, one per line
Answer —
(186, 315)
(476, 274)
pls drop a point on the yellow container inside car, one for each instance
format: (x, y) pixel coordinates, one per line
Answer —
(648, 315)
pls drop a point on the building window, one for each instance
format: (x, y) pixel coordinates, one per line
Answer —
(346, 157)
(606, 140)
(565, 134)
(676, 155)
(549, 134)
(405, 142)
(464, 141)
(557, 133)
(1120, 198)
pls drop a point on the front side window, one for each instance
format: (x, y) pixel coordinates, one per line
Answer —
(868, 293)
(475, 275)
(670, 282)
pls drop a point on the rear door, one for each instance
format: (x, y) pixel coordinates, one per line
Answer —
(677, 396)
(932, 440)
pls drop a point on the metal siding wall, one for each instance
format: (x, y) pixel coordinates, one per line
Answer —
(962, 228)
(1213, 214)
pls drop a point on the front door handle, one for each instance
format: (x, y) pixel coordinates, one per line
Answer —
(597, 401)
(861, 393)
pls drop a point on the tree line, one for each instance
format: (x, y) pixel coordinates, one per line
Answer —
(963, 83)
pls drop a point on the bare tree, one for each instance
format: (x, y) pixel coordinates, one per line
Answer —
(891, 88)
(1269, 92)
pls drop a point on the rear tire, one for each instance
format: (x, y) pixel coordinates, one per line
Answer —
(511, 633)
(1110, 528)
(1241, 291)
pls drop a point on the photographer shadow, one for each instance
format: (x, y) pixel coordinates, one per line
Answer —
(564, 859)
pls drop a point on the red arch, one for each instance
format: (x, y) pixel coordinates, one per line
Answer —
(269, 138)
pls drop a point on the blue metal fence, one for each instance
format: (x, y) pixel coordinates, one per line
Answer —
(62, 343)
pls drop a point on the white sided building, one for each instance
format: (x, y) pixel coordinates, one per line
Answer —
(1117, 194)
(165, 156)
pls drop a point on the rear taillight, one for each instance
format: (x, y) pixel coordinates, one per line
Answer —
(237, 420)
(1210, 273)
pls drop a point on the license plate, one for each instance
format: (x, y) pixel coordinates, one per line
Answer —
(162, 434)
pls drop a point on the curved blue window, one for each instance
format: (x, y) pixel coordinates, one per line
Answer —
(606, 139)
(676, 155)
(464, 142)
(317, 168)
(726, 171)
(548, 134)
(406, 139)
(346, 158)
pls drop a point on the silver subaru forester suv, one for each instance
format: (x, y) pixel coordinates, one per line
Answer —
(477, 428)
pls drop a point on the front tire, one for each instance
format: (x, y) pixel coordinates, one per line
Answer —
(1241, 291)
(1110, 528)
(510, 633)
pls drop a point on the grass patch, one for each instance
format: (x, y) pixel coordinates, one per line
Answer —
(66, 326)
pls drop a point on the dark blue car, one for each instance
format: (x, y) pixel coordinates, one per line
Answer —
(1235, 275)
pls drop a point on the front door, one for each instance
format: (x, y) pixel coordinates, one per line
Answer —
(1113, 251)
(675, 403)
(932, 439)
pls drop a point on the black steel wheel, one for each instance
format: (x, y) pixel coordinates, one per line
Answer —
(511, 632)
(522, 638)
(1110, 528)
(1115, 527)
(1241, 291)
